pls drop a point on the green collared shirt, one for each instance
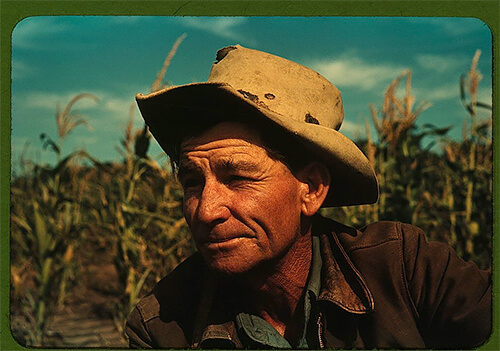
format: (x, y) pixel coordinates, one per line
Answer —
(261, 332)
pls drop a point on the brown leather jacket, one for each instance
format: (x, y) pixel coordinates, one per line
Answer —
(382, 287)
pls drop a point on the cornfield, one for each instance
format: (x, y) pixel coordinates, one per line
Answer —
(127, 214)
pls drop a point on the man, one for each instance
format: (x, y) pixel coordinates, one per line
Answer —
(258, 154)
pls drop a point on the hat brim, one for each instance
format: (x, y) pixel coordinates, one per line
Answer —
(172, 111)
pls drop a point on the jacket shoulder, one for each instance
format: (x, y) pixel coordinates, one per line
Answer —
(177, 292)
(372, 235)
(174, 290)
(165, 316)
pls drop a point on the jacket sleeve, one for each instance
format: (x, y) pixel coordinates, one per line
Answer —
(452, 298)
(136, 331)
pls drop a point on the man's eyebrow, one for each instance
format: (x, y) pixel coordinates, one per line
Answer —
(226, 164)
(229, 164)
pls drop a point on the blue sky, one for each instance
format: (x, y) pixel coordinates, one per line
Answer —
(55, 58)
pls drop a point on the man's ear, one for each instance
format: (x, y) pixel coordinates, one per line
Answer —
(316, 180)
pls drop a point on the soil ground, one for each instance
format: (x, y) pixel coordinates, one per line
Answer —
(86, 319)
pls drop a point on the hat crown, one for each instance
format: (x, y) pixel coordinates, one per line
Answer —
(279, 85)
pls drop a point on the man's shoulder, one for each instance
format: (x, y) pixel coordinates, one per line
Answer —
(372, 235)
(176, 293)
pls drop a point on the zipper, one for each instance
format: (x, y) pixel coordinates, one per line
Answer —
(319, 323)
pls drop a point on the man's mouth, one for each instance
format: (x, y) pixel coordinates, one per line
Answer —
(216, 242)
(220, 240)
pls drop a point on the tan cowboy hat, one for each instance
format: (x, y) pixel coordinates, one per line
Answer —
(252, 84)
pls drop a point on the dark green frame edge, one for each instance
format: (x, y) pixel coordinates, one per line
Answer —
(11, 12)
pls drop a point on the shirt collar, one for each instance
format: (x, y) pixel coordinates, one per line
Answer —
(314, 282)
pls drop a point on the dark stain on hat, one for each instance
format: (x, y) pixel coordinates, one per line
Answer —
(223, 52)
(252, 97)
(269, 96)
(311, 119)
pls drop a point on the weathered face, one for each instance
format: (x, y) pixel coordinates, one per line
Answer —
(242, 206)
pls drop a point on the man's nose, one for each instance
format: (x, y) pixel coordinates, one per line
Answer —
(213, 205)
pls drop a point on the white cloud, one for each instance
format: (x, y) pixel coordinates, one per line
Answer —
(443, 93)
(225, 27)
(118, 105)
(28, 33)
(49, 101)
(437, 93)
(354, 72)
(109, 113)
(447, 92)
(118, 118)
(115, 112)
(438, 63)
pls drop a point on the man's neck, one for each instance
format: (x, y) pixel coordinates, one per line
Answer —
(276, 294)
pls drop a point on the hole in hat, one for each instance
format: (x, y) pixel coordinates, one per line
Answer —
(310, 119)
(223, 52)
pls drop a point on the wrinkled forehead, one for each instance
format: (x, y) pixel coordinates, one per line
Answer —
(221, 135)
(226, 146)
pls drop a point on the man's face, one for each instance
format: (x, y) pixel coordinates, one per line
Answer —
(242, 206)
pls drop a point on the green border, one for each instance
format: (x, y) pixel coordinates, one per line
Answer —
(11, 12)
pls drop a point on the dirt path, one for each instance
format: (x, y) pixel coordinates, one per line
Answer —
(82, 328)
(86, 321)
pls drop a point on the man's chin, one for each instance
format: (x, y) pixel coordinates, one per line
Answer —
(225, 268)
(230, 264)
(231, 257)
(240, 267)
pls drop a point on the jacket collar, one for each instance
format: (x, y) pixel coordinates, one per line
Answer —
(341, 285)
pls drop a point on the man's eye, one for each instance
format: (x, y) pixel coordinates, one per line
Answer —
(238, 179)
